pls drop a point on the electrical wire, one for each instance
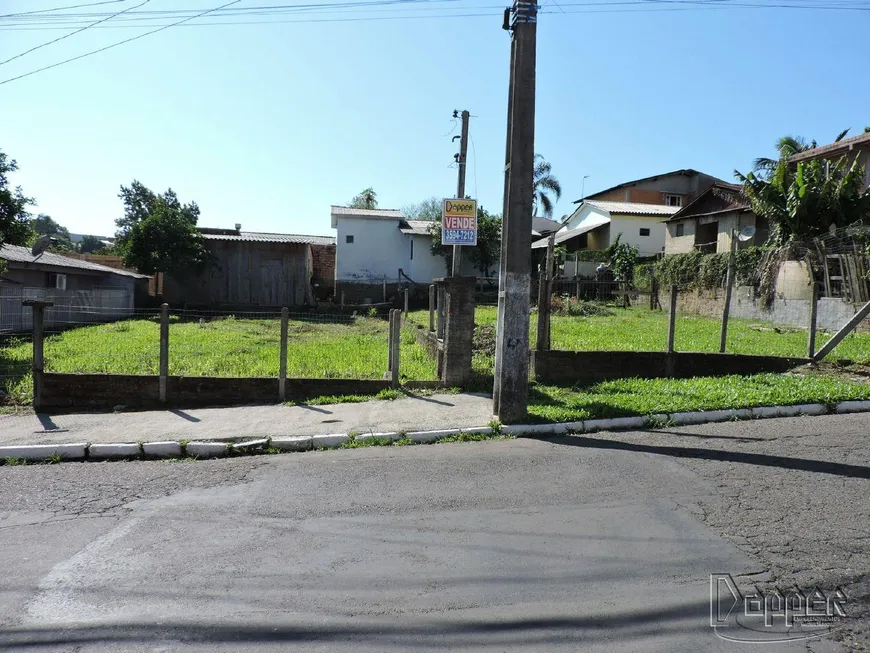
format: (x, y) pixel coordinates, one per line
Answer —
(113, 45)
(474, 154)
(66, 36)
(43, 11)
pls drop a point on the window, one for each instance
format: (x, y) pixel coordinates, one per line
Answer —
(681, 229)
(57, 281)
(348, 240)
(412, 248)
(644, 231)
(673, 200)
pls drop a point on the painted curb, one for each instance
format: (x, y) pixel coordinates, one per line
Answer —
(251, 445)
(75, 451)
(710, 416)
(165, 449)
(293, 443)
(845, 407)
(206, 449)
(329, 441)
(114, 451)
(213, 449)
(389, 436)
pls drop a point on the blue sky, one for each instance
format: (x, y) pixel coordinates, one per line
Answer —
(269, 124)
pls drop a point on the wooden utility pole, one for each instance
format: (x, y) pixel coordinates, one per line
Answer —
(511, 387)
(461, 159)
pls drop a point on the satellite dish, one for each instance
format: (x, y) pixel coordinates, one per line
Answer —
(42, 243)
(747, 233)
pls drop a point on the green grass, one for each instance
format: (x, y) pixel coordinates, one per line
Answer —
(639, 329)
(628, 397)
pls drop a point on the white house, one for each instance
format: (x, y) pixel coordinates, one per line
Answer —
(596, 223)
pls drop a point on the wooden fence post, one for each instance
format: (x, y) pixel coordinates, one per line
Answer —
(407, 293)
(164, 352)
(544, 308)
(431, 308)
(835, 340)
(653, 291)
(672, 319)
(282, 364)
(811, 330)
(342, 301)
(385, 290)
(38, 307)
(729, 287)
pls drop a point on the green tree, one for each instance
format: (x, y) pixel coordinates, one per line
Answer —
(44, 225)
(158, 233)
(92, 245)
(14, 217)
(428, 209)
(368, 199)
(488, 249)
(805, 200)
(545, 184)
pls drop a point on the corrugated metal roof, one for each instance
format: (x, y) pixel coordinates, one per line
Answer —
(378, 214)
(23, 255)
(415, 227)
(257, 237)
(633, 208)
(562, 236)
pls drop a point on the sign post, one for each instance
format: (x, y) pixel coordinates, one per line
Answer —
(459, 222)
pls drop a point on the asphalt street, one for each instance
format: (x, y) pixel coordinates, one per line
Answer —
(599, 543)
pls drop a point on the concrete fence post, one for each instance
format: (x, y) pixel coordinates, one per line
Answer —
(342, 301)
(38, 307)
(431, 308)
(164, 352)
(385, 290)
(672, 319)
(407, 295)
(395, 342)
(282, 363)
(811, 331)
(653, 292)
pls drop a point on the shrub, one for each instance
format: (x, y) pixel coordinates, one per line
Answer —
(696, 270)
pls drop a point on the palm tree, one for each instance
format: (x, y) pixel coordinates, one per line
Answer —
(787, 147)
(545, 183)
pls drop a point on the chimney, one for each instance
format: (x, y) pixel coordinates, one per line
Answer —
(238, 226)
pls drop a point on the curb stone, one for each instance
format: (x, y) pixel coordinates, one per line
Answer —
(212, 449)
(204, 449)
(165, 449)
(114, 451)
(75, 451)
(293, 443)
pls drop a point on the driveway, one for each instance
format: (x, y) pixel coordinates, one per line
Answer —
(505, 545)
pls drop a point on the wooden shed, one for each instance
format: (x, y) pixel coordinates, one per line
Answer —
(250, 270)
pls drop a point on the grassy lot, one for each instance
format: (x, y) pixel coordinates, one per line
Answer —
(226, 347)
(639, 329)
(628, 397)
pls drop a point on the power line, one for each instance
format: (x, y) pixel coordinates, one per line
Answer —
(66, 36)
(114, 45)
(44, 11)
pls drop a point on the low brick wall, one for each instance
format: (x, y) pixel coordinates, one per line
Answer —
(76, 392)
(591, 366)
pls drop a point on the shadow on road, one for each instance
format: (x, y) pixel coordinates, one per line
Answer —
(628, 625)
(764, 460)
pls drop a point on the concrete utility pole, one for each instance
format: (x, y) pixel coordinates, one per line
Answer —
(461, 159)
(511, 387)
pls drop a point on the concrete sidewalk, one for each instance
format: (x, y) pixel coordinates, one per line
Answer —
(405, 414)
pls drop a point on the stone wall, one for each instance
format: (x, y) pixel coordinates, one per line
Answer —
(833, 312)
(569, 367)
(74, 392)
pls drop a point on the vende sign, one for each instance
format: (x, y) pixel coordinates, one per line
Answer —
(459, 222)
